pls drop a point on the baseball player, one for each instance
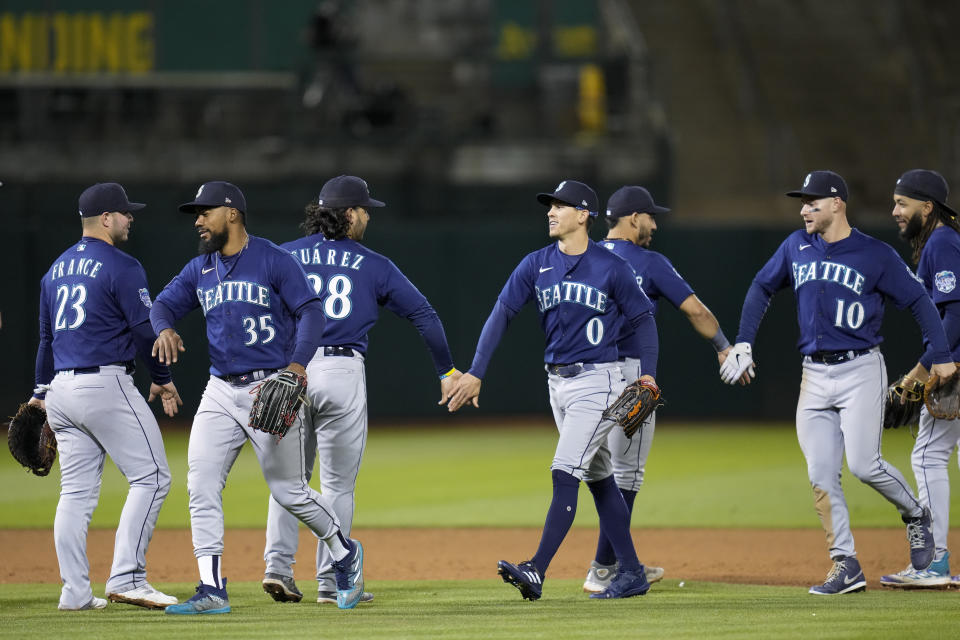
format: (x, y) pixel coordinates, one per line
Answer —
(631, 215)
(585, 295)
(921, 211)
(94, 317)
(355, 283)
(840, 277)
(262, 315)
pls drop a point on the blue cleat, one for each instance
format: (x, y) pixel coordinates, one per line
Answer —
(626, 585)
(207, 600)
(920, 537)
(936, 576)
(846, 576)
(524, 576)
(349, 572)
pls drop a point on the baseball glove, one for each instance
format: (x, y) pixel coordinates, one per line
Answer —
(31, 440)
(638, 400)
(903, 403)
(942, 397)
(277, 402)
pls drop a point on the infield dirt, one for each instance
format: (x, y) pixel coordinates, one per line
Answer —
(755, 556)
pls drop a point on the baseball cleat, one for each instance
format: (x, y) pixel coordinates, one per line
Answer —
(599, 577)
(920, 537)
(207, 600)
(524, 576)
(654, 574)
(349, 572)
(95, 603)
(144, 596)
(330, 597)
(936, 576)
(625, 585)
(845, 576)
(281, 588)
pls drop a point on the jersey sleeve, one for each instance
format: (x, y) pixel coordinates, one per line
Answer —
(396, 293)
(177, 299)
(668, 282)
(290, 281)
(519, 288)
(897, 281)
(132, 294)
(943, 262)
(772, 277)
(43, 371)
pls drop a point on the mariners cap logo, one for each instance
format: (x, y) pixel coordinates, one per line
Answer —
(560, 187)
(199, 191)
(807, 180)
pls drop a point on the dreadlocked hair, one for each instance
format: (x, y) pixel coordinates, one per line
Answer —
(939, 214)
(332, 223)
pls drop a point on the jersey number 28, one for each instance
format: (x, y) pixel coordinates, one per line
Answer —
(337, 304)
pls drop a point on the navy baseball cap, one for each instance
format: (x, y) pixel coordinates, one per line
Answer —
(628, 200)
(576, 194)
(822, 184)
(216, 194)
(924, 184)
(106, 196)
(347, 191)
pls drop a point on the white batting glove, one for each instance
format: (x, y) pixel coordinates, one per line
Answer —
(739, 359)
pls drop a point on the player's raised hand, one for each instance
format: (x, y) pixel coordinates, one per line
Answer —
(167, 347)
(169, 397)
(448, 384)
(465, 390)
(738, 363)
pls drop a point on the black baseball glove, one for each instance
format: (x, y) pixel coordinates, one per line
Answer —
(31, 440)
(903, 403)
(942, 397)
(277, 403)
(638, 400)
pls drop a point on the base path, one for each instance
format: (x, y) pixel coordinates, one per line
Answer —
(754, 556)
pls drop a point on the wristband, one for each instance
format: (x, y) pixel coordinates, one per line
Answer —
(719, 341)
(449, 373)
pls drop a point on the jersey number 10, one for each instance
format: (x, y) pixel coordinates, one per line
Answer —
(854, 314)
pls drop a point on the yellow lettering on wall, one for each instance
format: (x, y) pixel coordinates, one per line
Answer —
(516, 42)
(64, 42)
(140, 49)
(575, 42)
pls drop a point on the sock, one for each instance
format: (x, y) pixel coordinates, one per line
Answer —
(210, 571)
(339, 546)
(605, 554)
(615, 521)
(563, 509)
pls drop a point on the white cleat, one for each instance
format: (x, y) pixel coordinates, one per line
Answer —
(144, 596)
(95, 603)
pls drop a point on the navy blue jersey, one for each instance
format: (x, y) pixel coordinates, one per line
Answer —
(938, 268)
(582, 301)
(839, 287)
(90, 298)
(248, 300)
(655, 274)
(354, 283)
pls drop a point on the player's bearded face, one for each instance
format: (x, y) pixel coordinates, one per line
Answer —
(212, 227)
(647, 225)
(817, 214)
(907, 213)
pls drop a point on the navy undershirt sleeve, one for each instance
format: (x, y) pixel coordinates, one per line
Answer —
(143, 339)
(493, 330)
(428, 323)
(951, 326)
(754, 307)
(310, 324)
(933, 331)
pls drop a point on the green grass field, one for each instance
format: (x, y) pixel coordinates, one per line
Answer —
(497, 475)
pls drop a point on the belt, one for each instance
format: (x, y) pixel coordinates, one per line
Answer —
(130, 366)
(836, 357)
(241, 379)
(345, 352)
(569, 370)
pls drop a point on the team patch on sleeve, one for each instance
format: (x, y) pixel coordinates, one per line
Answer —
(946, 281)
(145, 298)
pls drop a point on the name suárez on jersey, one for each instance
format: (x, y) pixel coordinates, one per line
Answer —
(804, 272)
(315, 256)
(575, 292)
(76, 267)
(234, 291)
